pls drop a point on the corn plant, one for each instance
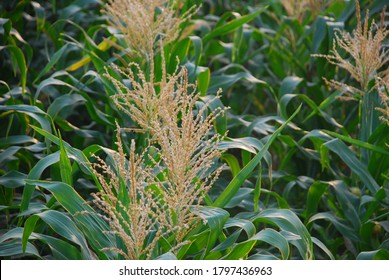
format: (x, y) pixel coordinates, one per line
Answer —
(193, 130)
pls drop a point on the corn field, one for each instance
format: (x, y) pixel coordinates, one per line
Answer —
(194, 130)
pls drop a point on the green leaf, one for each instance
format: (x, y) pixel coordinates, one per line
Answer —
(6, 26)
(250, 144)
(68, 101)
(53, 82)
(197, 45)
(320, 32)
(290, 225)
(61, 250)
(203, 80)
(28, 229)
(196, 244)
(243, 224)
(358, 143)
(282, 203)
(338, 147)
(230, 26)
(339, 224)
(215, 104)
(348, 203)
(31, 111)
(238, 180)
(12, 179)
(179, 51)
(275, 239)
(320, 244)
(289, 84)
(18, 56)
(34, 174)
(228, 242)
(225, 81)
(315, 193)
(39, 15)
(64, 164)
(62, 225)
(240, 251)
(380, 254)
(374, 203)
(167, 256)
(76, 154)
(232, 162)
(91, 224)
(17, 140)
(241, 194)
(14, 248)
(258, 188)
(215, 218)
(263, 256)
(286, 98)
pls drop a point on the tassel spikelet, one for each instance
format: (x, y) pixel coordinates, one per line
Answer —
(298, 8)
(143, 23)
(132, 211)
(382, 85)
(181, 136)
(145, 202)
(366, 55)
(366, 61)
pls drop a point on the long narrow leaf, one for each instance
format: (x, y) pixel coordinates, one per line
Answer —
(62, 225)
(355, 165)
(230, 26)
(216, 218)
(93, 226)
(238, 180)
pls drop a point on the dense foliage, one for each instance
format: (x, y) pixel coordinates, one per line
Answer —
(279, 107)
